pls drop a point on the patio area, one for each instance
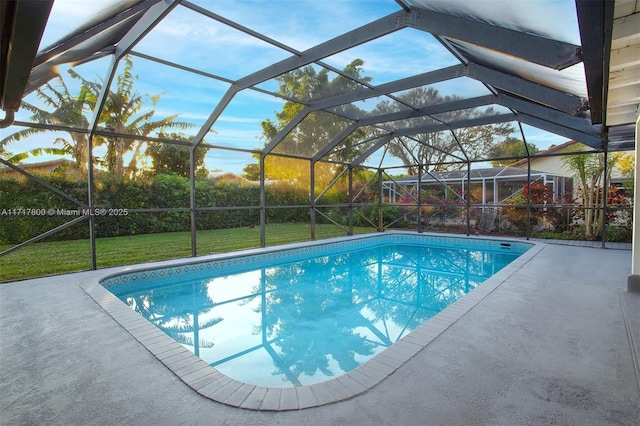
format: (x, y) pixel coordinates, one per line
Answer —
(555, 343)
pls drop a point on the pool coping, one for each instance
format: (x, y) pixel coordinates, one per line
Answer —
(212, 384)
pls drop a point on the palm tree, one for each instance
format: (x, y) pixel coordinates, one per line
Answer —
(66, 111)
(122, 115)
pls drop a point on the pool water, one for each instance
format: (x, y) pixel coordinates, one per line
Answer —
(307, 319)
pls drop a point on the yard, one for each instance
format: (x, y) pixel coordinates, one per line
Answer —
(58, 257)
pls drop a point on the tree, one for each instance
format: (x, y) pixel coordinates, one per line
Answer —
(251, 172)
(175, 158)
(122, 113)
(433, 150)
(509, 151)
(67, 111)
(4, 154)
(589, 169)
(627, 165)
(318, 128)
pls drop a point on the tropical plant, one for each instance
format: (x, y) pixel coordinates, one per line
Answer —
(627, 165)
(546, 208)
(589, 169)
(121, 114)
(65, 110)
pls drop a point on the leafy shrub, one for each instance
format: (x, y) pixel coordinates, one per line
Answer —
(549, 216)
(27, 194)
(370, 212)
(163, 191)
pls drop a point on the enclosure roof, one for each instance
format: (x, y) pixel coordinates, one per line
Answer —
(533, 64)
(476, 174)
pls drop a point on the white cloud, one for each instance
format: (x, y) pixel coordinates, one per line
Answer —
(236, 119)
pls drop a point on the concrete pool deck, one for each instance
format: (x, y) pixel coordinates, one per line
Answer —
(556, 343)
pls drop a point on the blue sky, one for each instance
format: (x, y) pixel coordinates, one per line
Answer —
(190, 39)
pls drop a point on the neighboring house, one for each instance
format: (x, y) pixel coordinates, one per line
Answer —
(493, 185)
(62, 166)
(551, 162)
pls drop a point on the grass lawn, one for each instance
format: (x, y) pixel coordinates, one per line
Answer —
(58, 257)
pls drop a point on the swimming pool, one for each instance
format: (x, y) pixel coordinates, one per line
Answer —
(305, 318)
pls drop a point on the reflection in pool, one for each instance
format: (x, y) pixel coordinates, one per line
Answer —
(305, 321)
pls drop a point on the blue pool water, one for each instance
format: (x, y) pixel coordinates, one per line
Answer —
(303, 316)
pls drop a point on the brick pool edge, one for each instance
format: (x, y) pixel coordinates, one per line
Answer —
(214, 385)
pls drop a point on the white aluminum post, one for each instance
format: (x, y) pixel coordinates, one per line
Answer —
(633, 283)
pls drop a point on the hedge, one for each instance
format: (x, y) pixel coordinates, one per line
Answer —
(161, 191)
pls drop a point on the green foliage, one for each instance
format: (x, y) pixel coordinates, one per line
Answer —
(369, 214)
(223, 204)
(589, 168)
(123, 112)
(64, 109)
(251, 172)
(545, 211)
(226, 194)
(28, 194)
(283, 194)
(170, 158)
(318, 128)
(517, 216)
(511, 147)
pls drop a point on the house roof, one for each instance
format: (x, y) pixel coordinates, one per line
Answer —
(551, 151)
(476, 174)
(41, 165)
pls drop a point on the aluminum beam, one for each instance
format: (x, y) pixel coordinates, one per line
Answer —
(527, 89)
(534, 48)
(579, 124)
(82, 34)
(284, 132)
(146, 23)
(368, 32)
(481, 121)
(213, 117)
(431, 77)
(363, 34)
(406, 114)
(431, 109)
(592, 141)
(595, 19)
(235, 25)
(383, 141)
(413, 138)
(335, 141)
